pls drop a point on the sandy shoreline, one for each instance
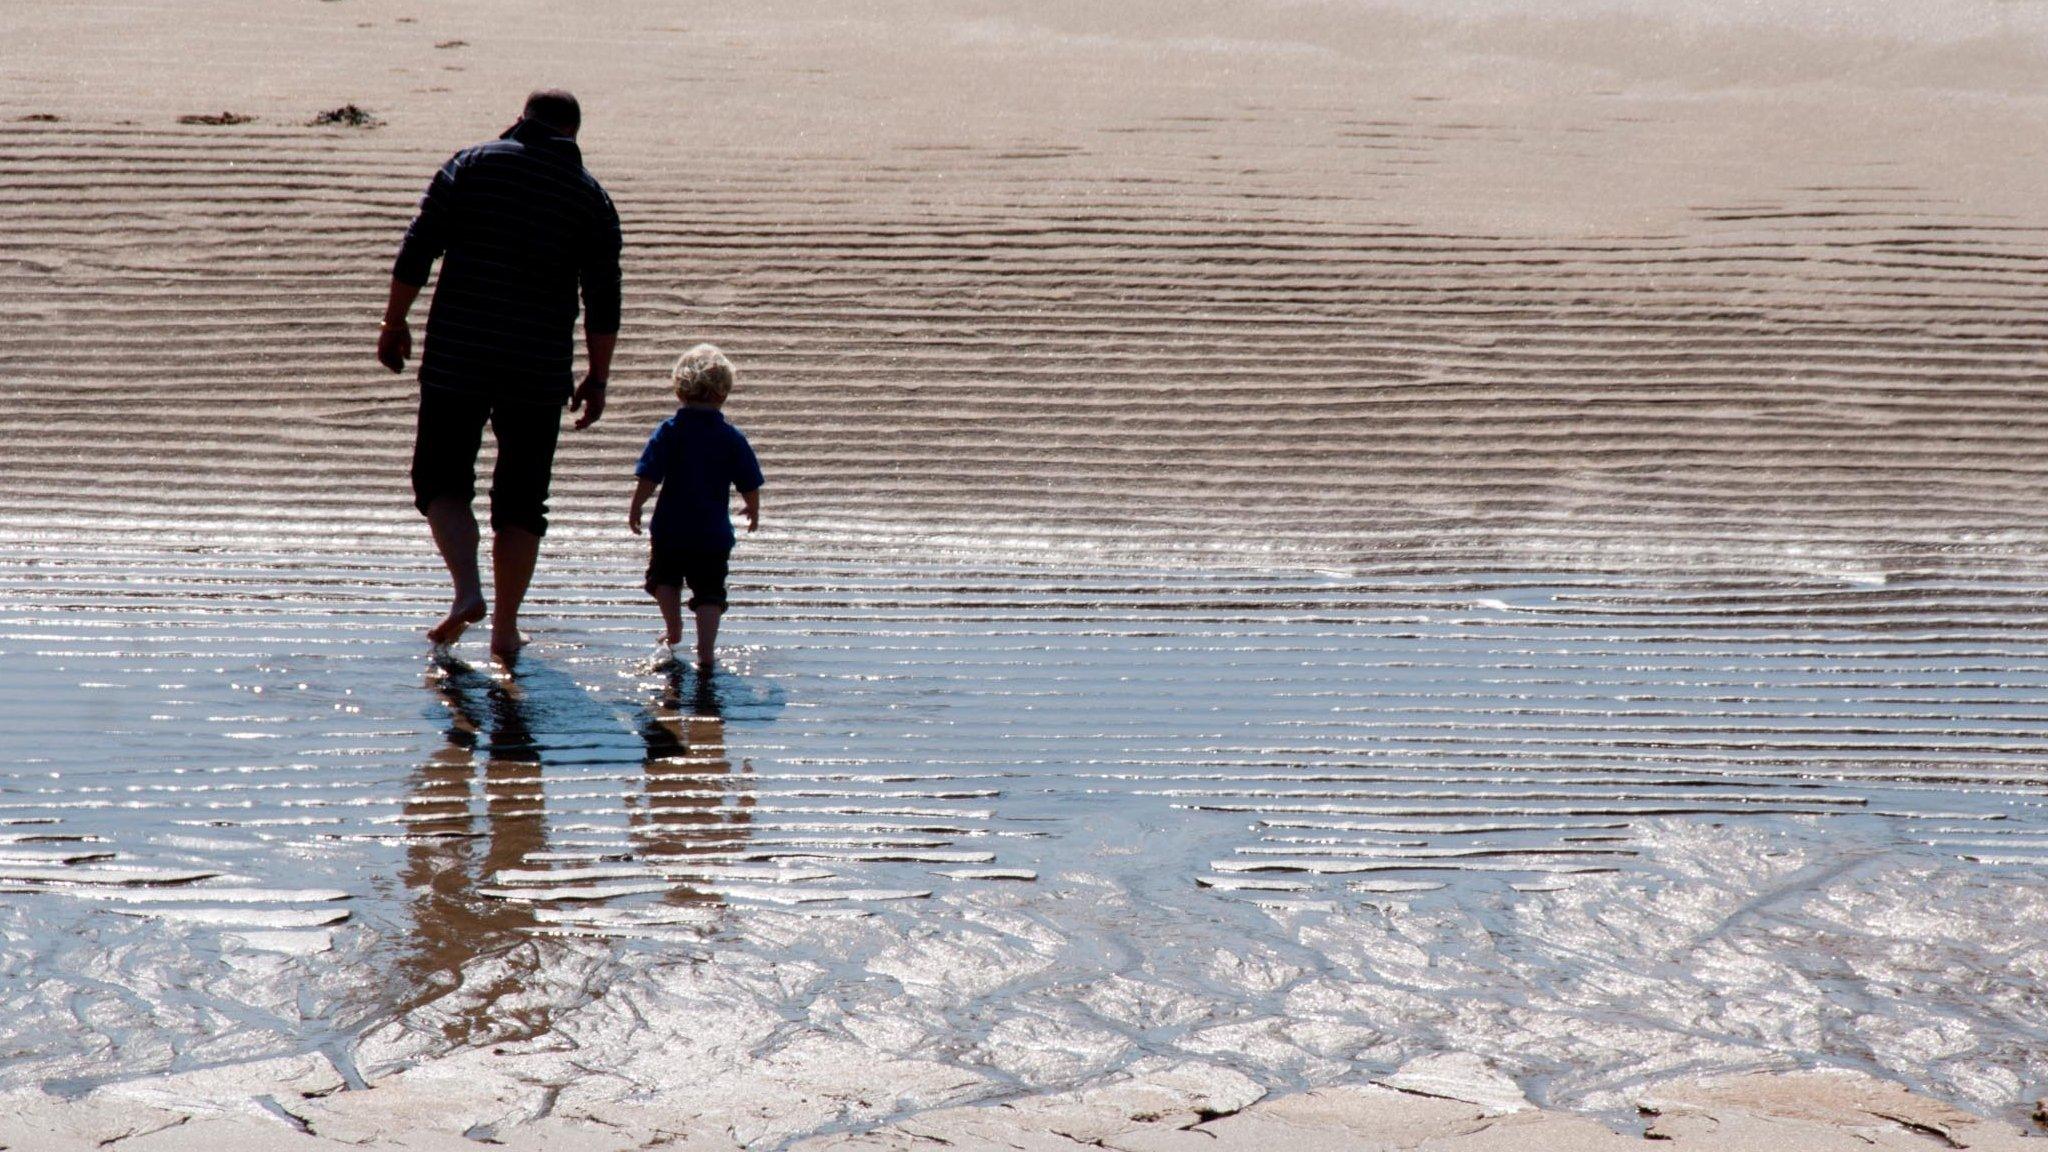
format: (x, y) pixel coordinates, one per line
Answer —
(1451, 1103)
(1324, 445)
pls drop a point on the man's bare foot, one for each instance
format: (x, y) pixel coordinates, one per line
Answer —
(506, 643)
(446, 661)
(458, 620)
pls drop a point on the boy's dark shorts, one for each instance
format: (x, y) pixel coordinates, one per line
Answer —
(451, 431)
(703, 570)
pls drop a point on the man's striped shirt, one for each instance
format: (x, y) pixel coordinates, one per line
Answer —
(522, 224)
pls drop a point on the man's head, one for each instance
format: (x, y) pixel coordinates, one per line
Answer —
(555, 108)
(703, 376)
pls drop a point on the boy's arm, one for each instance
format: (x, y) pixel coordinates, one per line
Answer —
(641, 491)
(746, 478)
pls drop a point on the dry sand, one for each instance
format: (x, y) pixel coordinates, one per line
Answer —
(1591, 287)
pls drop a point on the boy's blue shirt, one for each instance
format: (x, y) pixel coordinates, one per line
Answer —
(698, 458)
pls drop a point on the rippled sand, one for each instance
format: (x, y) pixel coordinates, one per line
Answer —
(1301, 543)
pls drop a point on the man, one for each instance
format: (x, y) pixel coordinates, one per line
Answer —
(522, 224)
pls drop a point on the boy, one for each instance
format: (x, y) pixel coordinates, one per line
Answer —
(696, 459)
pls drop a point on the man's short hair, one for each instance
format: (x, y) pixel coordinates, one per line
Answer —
(555, 108)
(702, 376)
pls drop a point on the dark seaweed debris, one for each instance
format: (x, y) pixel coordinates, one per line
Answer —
(40, 118)
(347, 115)
(215, 118)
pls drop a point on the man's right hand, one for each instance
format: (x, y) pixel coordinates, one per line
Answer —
(589, 399)
(394, 345)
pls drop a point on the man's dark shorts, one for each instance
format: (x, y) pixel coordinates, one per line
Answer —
(703, 570)
(451, 431)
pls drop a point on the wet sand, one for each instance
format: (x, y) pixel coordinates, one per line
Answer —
(1304, 543)
(1455, 1106)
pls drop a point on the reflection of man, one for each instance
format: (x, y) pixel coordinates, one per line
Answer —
(521, 224)
(452, 924)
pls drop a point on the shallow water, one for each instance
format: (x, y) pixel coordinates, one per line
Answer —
(1030, 824)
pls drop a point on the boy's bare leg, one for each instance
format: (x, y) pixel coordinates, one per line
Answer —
(670, 598)
(707, 634)
(513, 553)
(455, 535)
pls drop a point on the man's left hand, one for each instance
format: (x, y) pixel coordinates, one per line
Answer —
(589, 399)
(394, 345)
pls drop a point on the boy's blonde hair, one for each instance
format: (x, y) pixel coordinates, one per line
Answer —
(702, 376)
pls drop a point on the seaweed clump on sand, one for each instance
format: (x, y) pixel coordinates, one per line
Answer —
(348, 116)
(215, 119)
(40, 118)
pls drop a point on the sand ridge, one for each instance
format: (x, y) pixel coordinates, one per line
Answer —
(1279, 304)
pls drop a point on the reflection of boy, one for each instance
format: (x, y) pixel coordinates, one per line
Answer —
(697, 459)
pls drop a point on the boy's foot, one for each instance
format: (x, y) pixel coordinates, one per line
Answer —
(664, 656)
(458, 620)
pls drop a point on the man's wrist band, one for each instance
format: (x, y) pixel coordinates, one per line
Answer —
(388, 325)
